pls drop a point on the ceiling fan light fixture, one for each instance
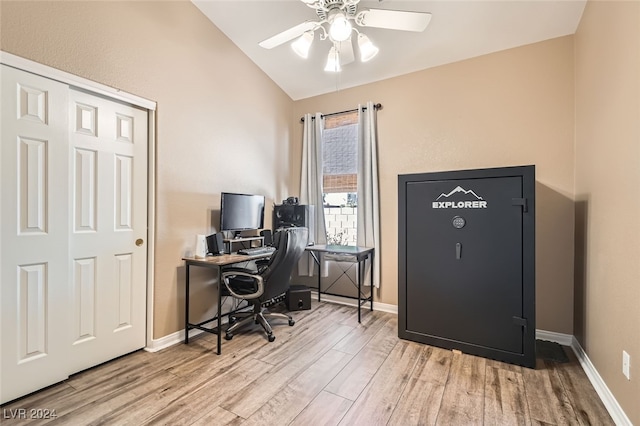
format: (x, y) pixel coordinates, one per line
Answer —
(335, 25)
(340, 27)
(302, 44)
(367, 49)
(333, 61)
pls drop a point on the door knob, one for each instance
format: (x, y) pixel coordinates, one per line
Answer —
(139, 242)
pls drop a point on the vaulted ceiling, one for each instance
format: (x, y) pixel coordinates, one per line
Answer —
(458, 30)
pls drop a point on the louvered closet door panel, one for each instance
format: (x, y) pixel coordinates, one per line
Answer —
(34, 248)
(109, 213)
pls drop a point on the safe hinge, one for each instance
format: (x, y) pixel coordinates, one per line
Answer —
(520, 202)
(522, 322)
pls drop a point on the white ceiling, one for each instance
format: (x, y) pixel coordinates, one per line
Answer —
(458, 30)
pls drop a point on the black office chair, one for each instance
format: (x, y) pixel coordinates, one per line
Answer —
(267, 283)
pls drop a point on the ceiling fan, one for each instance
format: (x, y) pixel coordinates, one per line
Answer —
(338, 16)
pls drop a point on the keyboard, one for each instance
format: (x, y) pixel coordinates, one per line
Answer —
(253, 251)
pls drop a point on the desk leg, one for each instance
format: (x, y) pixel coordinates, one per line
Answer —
(371, 287)
(360, 263)
(219, 351)
(186, 305)
(317, 259)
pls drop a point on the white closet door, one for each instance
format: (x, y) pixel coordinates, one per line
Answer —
(34, 233)
(109, 215)
(73, 213)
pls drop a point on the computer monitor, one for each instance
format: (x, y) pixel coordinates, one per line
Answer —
(241, 212)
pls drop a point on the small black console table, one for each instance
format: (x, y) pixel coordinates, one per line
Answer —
(357, 254)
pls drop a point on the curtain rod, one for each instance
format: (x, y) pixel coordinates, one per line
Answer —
(375, 106)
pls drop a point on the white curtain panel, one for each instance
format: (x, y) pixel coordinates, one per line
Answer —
(368, 192)
(311, 184)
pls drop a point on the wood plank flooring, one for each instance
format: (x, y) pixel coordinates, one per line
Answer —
(325, 370)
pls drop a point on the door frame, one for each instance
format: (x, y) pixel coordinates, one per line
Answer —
(117, 95)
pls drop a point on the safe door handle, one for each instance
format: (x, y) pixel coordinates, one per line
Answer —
(458, 251)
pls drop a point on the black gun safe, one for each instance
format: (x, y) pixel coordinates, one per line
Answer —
(466, 261)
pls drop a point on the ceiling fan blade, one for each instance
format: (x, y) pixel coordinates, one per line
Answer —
(287, 35)
(394, 19)
(345, 50)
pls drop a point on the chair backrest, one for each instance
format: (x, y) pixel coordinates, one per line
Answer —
(290, 244)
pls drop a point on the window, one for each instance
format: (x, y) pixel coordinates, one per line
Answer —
(340, 177)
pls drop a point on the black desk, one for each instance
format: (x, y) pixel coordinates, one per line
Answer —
(212, 262)
(360, 254)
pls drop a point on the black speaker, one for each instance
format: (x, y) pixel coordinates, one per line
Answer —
(286, 216)
(215, 244)
(298, 298)
(268, 237)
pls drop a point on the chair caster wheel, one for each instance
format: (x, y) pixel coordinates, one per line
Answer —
(228, 336)
(271, 337)
(291, 323)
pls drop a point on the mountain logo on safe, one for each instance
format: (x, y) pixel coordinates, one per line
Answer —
(475, 202)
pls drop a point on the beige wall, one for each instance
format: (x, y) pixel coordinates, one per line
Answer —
(222, 124)
(607, 286)
(509, 108)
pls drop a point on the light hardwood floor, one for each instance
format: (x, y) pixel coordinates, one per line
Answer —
(325, 370)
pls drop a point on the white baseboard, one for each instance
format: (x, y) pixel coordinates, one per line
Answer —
(551, 336)
(607, 398)
(377, 306)
(164, 342)
(615, 410)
